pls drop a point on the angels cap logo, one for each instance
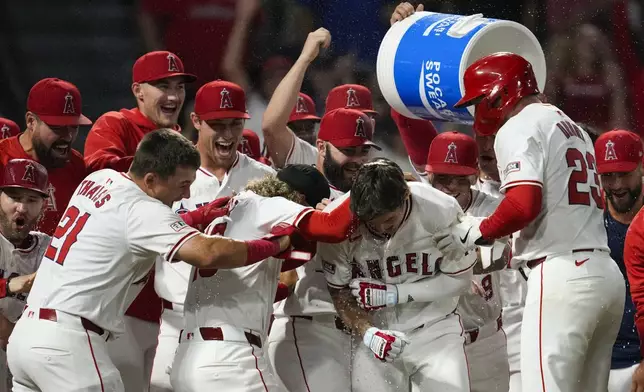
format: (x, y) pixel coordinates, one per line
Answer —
(226, 102)
(30, 174)
(360, 131)
(172, 64)
(5, 131)
(300, 106)
(69, 104)
(352, 98)
(610, 151)
(451, 153)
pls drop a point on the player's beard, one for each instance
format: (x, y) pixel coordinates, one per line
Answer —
(625, 204)
(47, 157)
(334, 173)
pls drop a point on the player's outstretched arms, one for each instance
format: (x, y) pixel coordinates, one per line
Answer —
(279, 139)
(371, 294)
(403, 10)
(214, 252)
(16, 285)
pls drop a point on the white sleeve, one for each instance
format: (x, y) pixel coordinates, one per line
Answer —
(302, 153)
(434, 288)
(153, 228)
(272, 211)
(335, 262)
(520, 157)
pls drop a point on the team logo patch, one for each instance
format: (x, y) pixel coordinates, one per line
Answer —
(69, 104)
(30, 174)
(352, 98)
(178, 226)
(172, 64)
(610, 151)
(328, 267)
(450, 157)
(300, 107)
(360, 131)
(226, 102)
(512, 167)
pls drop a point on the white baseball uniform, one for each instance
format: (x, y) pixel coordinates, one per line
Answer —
(435, 358)
(307, 340)
(485, 341)
(171, 279)
(17, 261)
(227, 312)
(513, 286)
(575, 295)
(302, 152)
(108, 238)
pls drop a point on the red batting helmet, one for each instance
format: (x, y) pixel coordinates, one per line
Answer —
(26, 174)
(495, 83)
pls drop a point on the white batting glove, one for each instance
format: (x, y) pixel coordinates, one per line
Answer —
(386, 345)
(458, 266)
(459, 238)
(372, 294)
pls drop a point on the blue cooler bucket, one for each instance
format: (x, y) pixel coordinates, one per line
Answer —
(422, 60)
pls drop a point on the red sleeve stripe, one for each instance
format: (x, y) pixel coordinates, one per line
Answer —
(180, 243)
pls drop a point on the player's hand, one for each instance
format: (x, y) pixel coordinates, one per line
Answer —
(403, 10)
(637, 384)
(457, 266)
(372, 294)
(386, 345)
(204, 215)
(322, 205)
(320, 38)
(459, 238)
(409, 177)
(21, 284)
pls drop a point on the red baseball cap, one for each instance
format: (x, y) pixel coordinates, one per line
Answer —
(350, 96)
(347, 128)
(304, 109)
(57, 103)
(249, 144)
(453, 153)
(26, 174)
(220, 99)
(159, 65)
(618, 151)
(8, 128)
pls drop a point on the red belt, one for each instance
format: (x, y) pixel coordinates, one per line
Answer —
(50, 314)
(533, 263)
(210, 333)
(474, 333)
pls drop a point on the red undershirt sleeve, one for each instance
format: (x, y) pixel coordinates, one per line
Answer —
(521, 205)
(634, 262)
(331, 227)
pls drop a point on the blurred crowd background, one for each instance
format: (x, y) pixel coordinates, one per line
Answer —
(594, 49)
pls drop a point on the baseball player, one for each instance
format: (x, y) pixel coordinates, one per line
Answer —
(219, 116)
(8, 128)
(228, 312)
(421, 334)
(552, 198)
(115, 227)
(303, 119)
(23, 190)
(158, 85)
(306, 325)
(53, 117)
(619, 163)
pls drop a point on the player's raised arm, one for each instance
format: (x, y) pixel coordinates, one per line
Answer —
(105, 145)
(279, 139)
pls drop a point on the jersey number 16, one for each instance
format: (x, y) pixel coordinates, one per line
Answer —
(580, 176)
(70, 225)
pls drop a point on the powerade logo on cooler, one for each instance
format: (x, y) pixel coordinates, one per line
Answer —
(437, 51)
